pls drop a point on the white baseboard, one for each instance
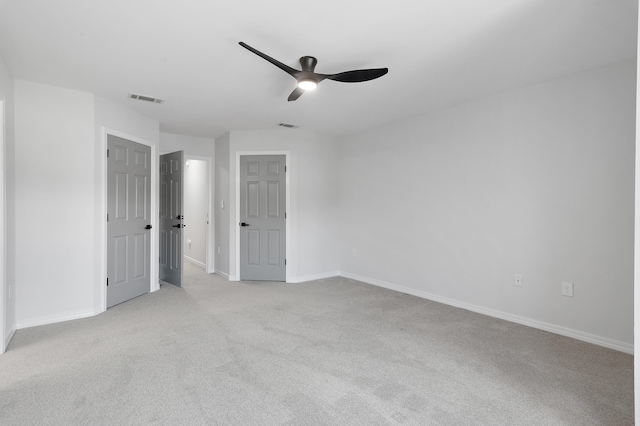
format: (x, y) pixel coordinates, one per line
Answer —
(306, 278)
(223, 275)
(195, 262)
(552, 328)
(293, 280)
(7, 340)
(56, 318)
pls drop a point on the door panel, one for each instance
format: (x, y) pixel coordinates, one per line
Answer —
(128, 206)
(273, 247)
(141, 196)
(140, 251)
(273, 199)
(171, 217)
(121, 196)
(262, 210)
(120, 258)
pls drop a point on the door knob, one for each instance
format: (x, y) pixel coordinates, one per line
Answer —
(148, 227)
(244, 224)
(177, 226)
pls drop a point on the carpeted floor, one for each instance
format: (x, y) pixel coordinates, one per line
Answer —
(328, 352)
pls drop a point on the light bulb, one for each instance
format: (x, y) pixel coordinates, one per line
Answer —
(307, 84)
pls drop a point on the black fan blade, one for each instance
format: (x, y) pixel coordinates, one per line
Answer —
(283, 67)
(357, 76)
(295, 94)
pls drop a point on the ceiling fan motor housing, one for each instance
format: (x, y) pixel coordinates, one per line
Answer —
(308, 63)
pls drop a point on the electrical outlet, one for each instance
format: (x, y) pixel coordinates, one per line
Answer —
(567, 289)
(517, 280)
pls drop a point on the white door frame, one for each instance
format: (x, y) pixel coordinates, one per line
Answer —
(287, 191)
(154, 265)
(5, 291)
(210, 235)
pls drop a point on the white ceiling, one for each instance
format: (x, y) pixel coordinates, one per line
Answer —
(439, 53)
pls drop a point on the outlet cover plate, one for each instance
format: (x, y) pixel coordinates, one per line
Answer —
(567, 289)
(517, 280)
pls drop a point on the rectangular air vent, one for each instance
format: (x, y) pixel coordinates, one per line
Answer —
(146, 98)
(288, 126)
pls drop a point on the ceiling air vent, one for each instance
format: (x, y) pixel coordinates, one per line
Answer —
(288, 126)
(146, 98)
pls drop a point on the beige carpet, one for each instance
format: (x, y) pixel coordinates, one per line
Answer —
(328, 352)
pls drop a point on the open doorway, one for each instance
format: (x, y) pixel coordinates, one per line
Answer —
(196, 210)
(185, 204)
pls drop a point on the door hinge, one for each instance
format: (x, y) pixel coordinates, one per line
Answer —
(285, 169)
(107, 217)
(107, 282)
(107, 153)
(285, 262)
(285, 215)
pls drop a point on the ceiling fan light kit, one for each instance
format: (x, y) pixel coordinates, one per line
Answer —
(307, 85)
(308, 79)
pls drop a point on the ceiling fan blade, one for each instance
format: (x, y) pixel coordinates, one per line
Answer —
(295, 94)
(283, 67)
(356, 76)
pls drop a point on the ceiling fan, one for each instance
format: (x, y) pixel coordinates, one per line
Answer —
(308, 79)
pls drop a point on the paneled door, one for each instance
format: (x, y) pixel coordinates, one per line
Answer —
(128, 219)
(262, 217)
(171, 217)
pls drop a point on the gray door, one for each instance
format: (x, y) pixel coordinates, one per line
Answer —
(262, 217)
(171, 217)
(128, 219)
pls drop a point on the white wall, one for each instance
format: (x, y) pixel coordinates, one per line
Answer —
(125, 120)
(193, 146)
(312, 251)
(7, 216)
(537, 181)
(60, 204)
(222, 219)
(196, 208)
(54, 225)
